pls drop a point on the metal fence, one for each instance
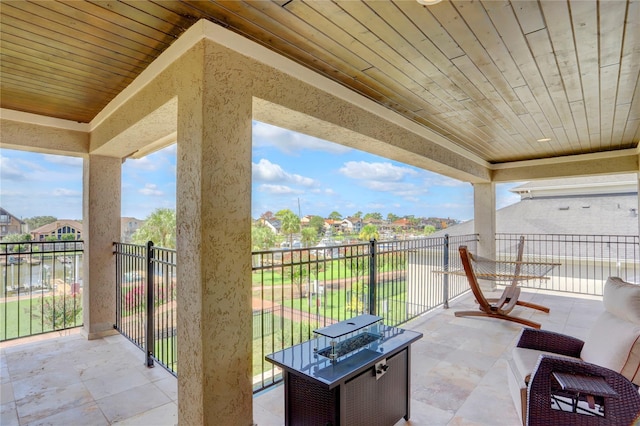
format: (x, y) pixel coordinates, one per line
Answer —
(297, 291)
(146, 300)
(294, 292)
(586, 261)
(40, 287)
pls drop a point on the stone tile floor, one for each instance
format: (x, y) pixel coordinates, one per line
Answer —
(458, 373)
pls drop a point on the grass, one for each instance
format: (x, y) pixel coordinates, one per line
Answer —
(21, 318)
(283, 333)
(279, 332)
(335, 304)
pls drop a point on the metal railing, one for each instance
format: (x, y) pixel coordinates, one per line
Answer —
(586, 261)
(297, 291)
(146, 300)
(40, 287)
(300, 290)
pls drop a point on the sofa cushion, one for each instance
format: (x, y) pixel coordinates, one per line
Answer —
(523, 362)
(610, 343)
(622, 299)
(614, 340)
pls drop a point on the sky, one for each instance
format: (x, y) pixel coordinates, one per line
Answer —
(290, 171)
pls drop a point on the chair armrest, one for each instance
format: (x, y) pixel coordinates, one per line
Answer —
(548, 341)
(622, 408)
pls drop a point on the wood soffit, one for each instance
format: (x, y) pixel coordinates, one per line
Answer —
(505, 80)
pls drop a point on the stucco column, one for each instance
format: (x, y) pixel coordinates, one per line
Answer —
(214, 240)
(101, 227)
(484, 213)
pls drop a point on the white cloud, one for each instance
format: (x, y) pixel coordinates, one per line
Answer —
(150, 189)
(9, 170)
(376, 206)
(63, 192)
(266, 171)
(375, 171)
(278, 189)
(63, 160)
(145, 164)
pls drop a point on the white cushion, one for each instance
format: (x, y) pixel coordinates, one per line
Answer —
(524, 361)
(610, 341)
(622, 299)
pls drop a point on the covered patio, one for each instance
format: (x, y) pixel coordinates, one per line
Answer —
(483, 92)
(458, 373)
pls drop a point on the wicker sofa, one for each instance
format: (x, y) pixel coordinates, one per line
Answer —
(611, 351)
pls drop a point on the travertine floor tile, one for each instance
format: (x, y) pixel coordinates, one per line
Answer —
(458, 373)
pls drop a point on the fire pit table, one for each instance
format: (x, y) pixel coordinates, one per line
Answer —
(355, 372)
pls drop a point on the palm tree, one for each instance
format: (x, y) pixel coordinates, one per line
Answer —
(309, 236)
(335, 216)
(369, 232)
(261, 237)
(159, 227)
(289, 224)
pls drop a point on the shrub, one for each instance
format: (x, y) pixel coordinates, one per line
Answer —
(135, 298)
(61, 311)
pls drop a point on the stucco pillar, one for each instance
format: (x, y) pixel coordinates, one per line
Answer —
(484, 212)
(214, 241)
(101, 227)
(638, 211)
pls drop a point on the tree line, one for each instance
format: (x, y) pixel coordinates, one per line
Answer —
(160, 227)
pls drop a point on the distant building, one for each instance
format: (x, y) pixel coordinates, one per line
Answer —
(352, 225)
(597, 205)
(272, 223)
(57, 229)
(128, 226)
(10, 224)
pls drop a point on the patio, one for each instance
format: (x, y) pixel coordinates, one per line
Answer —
(458, 373)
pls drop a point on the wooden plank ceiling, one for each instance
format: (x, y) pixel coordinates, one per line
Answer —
(506, 80)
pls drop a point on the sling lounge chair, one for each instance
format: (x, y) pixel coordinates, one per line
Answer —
(501, 307)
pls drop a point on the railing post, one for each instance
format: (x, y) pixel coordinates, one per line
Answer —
(150, 337)
(116, 252)
(445, 276)
(372, 277)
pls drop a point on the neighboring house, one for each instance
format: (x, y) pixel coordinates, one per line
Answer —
(10, 224)
(587, 206)
(404, 225)
(304, 222)
(351, 225)
(128, 226)
(332, 226)
(57, 229)
(273, 224)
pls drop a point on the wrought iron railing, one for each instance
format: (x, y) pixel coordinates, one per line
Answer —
(40, 287)
(586, 261)
(297, 291)
(294, 291)
(146, 300)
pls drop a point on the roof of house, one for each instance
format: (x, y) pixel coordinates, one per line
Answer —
(50, 227)
(588, 206)
(5, 212)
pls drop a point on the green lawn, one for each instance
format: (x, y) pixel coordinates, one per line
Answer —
(322, 271)
(25, 317)
(336, 304)
(286, 333)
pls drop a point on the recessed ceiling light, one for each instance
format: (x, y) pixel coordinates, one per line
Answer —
(544, 140)
(428, 2)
